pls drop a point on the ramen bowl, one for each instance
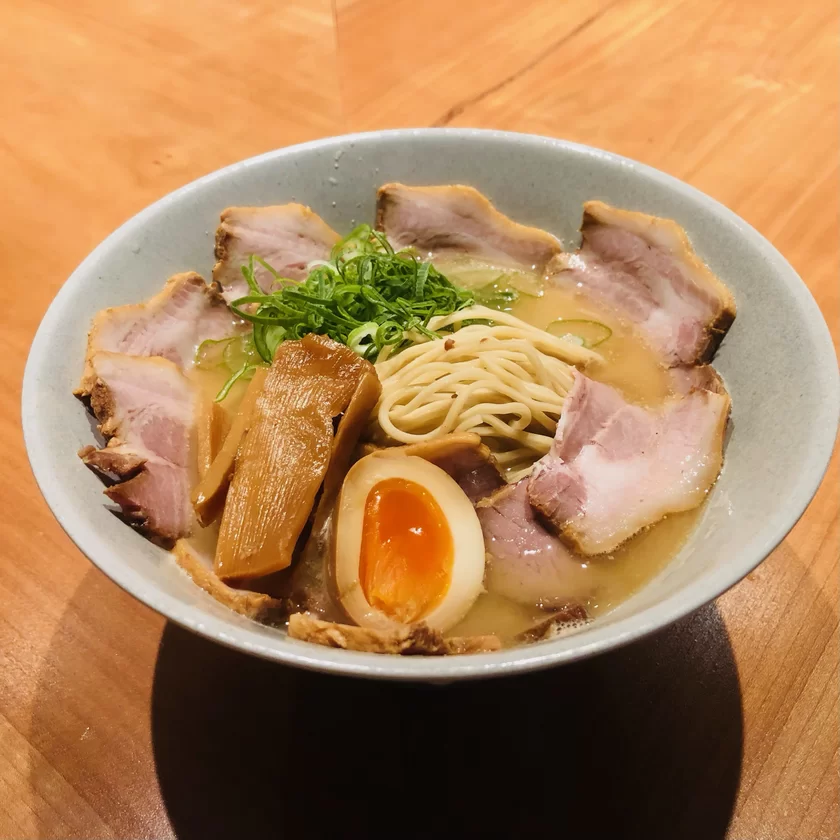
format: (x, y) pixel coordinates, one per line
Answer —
(778, 362)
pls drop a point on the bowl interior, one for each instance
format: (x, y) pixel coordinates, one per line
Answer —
(778, 362)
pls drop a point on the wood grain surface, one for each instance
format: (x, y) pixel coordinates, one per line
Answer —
(114, 723)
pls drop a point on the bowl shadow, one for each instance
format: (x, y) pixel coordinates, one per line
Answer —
(643, 742)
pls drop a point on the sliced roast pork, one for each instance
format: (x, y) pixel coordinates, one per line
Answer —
(287, 236)
(462, 455)
(565, 620)
(197, 562)
(645, 269)
(616, 468)
(458, 220)
(171, 324)
(147, 409)
(415, 639)
(687, 378)
(526, 562)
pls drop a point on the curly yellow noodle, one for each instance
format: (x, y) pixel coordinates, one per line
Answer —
(504, 381)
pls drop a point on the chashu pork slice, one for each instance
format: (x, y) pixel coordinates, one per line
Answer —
(645, 269)
(461, 455)
(287, 236)
(458, 220)
(412, 640)
(526, 562)
(685, 379)
(197, 562)
(147, 409)
(616, 468)
(564, 620)
(171, 324)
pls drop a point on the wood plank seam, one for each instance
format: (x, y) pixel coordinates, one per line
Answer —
(459, 107)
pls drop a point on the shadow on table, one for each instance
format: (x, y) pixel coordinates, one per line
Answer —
(642, 742)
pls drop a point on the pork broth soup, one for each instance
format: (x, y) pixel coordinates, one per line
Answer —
(439, 435)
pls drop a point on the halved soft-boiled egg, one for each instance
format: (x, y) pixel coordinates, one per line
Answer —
(408, 544)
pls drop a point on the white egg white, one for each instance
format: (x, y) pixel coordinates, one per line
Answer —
(468, 541)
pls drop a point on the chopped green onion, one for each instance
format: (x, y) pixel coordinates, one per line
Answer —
(590, 333)
(368, 297)
(232, 352)
(245, 372)
(420, 280)
(210, 353)
(475, 275)
(240, 351)
(267, 337)
(360, 339)
(497, 296)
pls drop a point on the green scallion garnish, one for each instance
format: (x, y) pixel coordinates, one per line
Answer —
(365, 283)
(589, 333)
(366, 296)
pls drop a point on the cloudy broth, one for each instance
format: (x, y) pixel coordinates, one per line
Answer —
(602, 581)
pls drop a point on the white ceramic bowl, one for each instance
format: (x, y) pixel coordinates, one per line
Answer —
(778, 362)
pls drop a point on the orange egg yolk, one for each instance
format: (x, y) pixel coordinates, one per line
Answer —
(407, 550)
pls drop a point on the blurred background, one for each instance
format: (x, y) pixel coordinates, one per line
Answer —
(112, 723)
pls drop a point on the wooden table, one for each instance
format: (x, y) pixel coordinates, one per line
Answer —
(114, 723)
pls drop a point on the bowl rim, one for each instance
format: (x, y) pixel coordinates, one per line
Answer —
(696, 594)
